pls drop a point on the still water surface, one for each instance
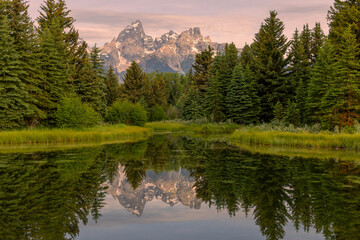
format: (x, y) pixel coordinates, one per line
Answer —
(176, 187)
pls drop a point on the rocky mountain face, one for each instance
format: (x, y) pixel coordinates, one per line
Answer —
(170, 187)
(171, 52)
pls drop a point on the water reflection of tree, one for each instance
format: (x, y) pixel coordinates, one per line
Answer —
(47, 195)
(279, 190)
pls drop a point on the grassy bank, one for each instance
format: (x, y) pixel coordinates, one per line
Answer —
(190, 127)
(95, 134)
(292, 152)
(297, 139)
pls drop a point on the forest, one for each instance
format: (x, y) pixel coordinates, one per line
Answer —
(49, 78)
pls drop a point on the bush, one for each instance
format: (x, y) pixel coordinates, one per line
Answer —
(158, 114)
(127, 112)
(71, 112)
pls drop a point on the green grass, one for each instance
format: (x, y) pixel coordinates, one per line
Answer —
(323, 153)
(95, 134)
(189, 127)
(297, 139)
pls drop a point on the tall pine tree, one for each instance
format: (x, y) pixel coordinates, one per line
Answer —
(242, 101)
(14, 99)
(269, 48)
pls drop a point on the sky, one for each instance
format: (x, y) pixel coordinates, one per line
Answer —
(223, 20)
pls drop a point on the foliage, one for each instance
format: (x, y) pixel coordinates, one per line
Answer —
(127, 112)
(158, 113)
(72, 113)
(14, 99)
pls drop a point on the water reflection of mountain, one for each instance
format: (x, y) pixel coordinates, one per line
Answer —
(169, 187)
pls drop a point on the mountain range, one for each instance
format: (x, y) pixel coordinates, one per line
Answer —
(171, 52)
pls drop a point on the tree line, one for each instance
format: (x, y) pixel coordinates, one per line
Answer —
(47, 75)
(309, 79)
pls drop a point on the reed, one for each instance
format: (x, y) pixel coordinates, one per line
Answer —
(191, 127)
(95, 134)
(300, 139)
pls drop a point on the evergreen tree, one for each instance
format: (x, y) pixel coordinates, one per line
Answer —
(160, 95)
(56, 11)
(214, 100)
(202, 66)
(192, 105)
(54, 69)
(278, 111)
(14, 99)
(135, 79)
(243, 102)
(112, 87)
(317, 41)
(88, 87)
(98, 65)
(269, 48)
(324, 71)
(341, 103)
(26, 44)
(299, 73)
(292, 114)
(305, 38)
(344, 13)
(247, 57)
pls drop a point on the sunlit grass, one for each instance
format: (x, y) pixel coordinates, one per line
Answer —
(190, 127)
(303, 139)
(322, 153)
(95, 134)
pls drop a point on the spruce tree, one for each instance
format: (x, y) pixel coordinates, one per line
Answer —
(202, 65)
(317, 41)
(269, 48)
(341, 103)
(98, 66)
(242, 101)
(305, 38)
(214, 99)
(291, 115)
(299, 73)
(132, 88)
(54, 69)
(15, 106)
(278, 111)
(26, 44)
(193, 105)
(112, 86)
(89, 87)
(324, 72)
(247, 57)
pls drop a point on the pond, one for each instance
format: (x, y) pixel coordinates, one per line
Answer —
(176, 187)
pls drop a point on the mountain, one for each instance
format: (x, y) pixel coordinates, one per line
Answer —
(169, 187)
(171, 52)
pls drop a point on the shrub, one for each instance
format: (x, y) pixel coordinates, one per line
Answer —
(158, 114)
(127, 112)
(71, 112)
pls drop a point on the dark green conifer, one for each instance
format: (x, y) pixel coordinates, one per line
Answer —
(242, 101)
(202, 69)
(317, 41)
(269, 48)
(112, 86)
(324, 72)
(214, 100)
(132, 88)
(15, 106)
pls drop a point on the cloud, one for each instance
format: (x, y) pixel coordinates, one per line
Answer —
(224, 21)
